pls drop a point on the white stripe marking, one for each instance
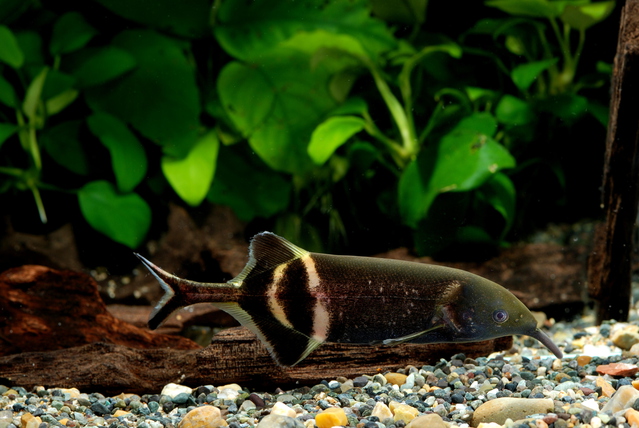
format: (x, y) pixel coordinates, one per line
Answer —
(313, 277)
(273, 304)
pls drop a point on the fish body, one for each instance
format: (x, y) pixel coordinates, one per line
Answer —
(295, 300)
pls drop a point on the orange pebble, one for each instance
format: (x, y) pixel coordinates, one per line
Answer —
(582, 360)
(333, 416)
(632, 416)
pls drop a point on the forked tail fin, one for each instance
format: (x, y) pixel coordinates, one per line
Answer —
(170, 301)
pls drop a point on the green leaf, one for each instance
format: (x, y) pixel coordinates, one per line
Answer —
(61, 101)
(581, 17)
(125, 218)
(56, 83)
(7, 94)
(10, 51)
(277, 105)
(160, 97)
(513, 111)
(192, 176)
(463, 160)
(565, 106)
(499, 191)
(524, 75)
(33, 95)
(353, 105)
(248, 30)
(127, 154)
(405, 12)
(62, 143)
(71, 32)
(331, 134)
(248, 186)
(599, 111)
(187, 18)
(30, 44)
(532, 8)
(96, 66)
(483, 123)
(6, 131)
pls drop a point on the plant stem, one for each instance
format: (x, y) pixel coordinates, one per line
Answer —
(409, 140)
(397, 152)
(39, 204)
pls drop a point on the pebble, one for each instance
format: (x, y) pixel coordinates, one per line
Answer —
(280, 408)
(280, 421)
(381, 411)
(173, 389)
(203, 417)
(626, 337)
(624, 398)
(500, 409)
(331, 417)
(396, 378)
(618, 369)
(432, 420)
(403, 412)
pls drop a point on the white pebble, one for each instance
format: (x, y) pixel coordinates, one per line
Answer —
(173, 389)
(228, 394)
(595, 422)
(280, 408)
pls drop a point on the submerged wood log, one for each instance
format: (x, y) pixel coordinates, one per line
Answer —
(235, 355)
(610, 263)
(43, 309)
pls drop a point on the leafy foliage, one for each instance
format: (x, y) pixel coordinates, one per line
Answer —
(320, 116)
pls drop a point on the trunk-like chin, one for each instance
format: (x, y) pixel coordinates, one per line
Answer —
(545, 340)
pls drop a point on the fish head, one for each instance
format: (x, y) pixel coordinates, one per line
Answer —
(481, 309)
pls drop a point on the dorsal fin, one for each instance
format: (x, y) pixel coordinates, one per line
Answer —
(266, 252)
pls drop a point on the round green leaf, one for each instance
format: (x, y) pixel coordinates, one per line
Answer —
(125, 218)
(95, 66)
(277, 105)
(7, 94)
(192, 176)
(331, 134)
(62, 143)
(127, 154)
(160, 97)
(581, 17)
(532, 8)
(188, 18)
(463, 160)
(10, 51)
(513, 111)
(70, 33)
(247, 30)
(6, 131)
(524, 75)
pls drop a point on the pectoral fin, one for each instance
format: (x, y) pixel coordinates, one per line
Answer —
(412, 336)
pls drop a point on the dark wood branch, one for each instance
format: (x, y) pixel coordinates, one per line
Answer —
(610, 263)
(235, 355)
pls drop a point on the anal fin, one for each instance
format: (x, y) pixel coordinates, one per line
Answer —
(287, 346)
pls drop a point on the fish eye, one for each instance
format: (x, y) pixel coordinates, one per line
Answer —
(500, 316)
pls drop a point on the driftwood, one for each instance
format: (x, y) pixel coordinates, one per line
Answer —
(56, 331)
(610, 263)
(235, 355)
(44, 309)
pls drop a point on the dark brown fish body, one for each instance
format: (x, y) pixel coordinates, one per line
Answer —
(295, 300)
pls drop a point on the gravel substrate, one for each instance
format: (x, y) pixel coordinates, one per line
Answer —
(527, 387)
